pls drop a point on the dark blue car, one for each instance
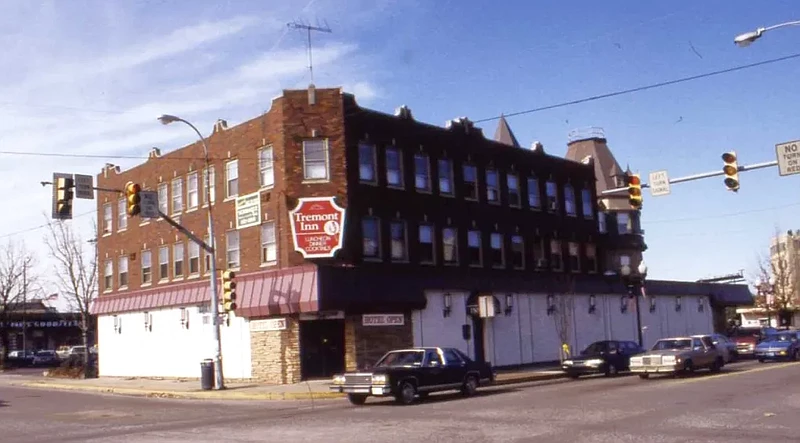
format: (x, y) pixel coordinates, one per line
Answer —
(779, 345)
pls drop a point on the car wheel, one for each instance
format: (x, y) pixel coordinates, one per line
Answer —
(470, 386)
(688, 367)
(761, 360)
(407, 393)
(357, 399)
(717, 365)
(574, 376)
(644, 376)
(611, 370)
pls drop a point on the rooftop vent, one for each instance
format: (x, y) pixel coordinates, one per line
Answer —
(220, 125)
(312, 94)
(154, 153)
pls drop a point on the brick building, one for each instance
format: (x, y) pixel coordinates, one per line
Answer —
(435, 218)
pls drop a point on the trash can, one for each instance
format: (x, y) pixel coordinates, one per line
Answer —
(207, 374)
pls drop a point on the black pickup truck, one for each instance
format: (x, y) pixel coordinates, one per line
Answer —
(407, 374)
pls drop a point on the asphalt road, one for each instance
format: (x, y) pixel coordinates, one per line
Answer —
(748, 402)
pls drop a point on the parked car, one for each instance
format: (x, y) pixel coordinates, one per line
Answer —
(607, 357)
(779, 345)
(408, 373)
(746, 339)
(678, 355)
(19, 359)
(46, 358)
(724, 345)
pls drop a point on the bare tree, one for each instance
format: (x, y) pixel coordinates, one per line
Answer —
(564, 315)
(15, 264)
(75, 275)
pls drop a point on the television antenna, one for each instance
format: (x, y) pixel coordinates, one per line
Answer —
(308, 28)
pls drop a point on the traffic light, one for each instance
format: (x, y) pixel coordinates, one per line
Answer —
(132, 198)
(731, 170)
(228, 291)
(64, 195)
(634, 191)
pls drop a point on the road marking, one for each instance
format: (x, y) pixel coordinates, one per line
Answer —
(730, 374)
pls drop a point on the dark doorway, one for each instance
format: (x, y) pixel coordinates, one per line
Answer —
(477, 338)
(321, 348)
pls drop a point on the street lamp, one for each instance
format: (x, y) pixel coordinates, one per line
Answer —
(766, 288)
(744, 40)
(630, 282)
(219, 380)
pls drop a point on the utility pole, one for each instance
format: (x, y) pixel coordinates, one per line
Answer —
(308, 29)
(25, 305)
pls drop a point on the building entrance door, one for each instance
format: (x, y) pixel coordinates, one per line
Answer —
(321, 348)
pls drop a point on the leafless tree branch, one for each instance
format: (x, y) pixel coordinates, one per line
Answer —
(16, 265)
(564, 314)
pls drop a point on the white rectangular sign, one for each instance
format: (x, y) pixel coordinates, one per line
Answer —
(383, 320)
(269, 324)
(248, 210)
(486, 306)
(659, 183)
(788, 155)
(84, 186)
(149, 204)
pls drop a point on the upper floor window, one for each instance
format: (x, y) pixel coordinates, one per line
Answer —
(163, 198)
(534, 198)
(269, 245)
(422, 172)
(371, 236)
(177, 260)
(450, 246)
(232, 178)
(265, 167)
(163, 263)
(539, 253)
(399, 241)
(624, 260)
(232, 249)
(315, 159)
(122, 271)
(569, 200)
(601, 222)
(108, 276)
(366, 163)
(492, 186)
(574, 257)
(394, 167)
(211, 176)
(426, 242)
(591, 258)
(122, 215)
(194, 258)
(445, 177)
(474, 248)
(177, 195)
(147, 267)
(108, 218)
(517, 252)
(556, 255)
(470, 182)
(586, 203)
(498, 250)
(552, 196)
(624, 223)
(512, 183)
(192, 191)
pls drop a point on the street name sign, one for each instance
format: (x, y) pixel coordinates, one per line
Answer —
(84, 186)
(788, 155)
(659, 183)
(148, 204)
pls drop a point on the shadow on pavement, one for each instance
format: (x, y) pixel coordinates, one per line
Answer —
(437, 398)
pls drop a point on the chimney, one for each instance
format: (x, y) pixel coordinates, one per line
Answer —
(154, 153)
(220, 125)
(312, 94)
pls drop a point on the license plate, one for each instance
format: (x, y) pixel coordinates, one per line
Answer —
(377, 391)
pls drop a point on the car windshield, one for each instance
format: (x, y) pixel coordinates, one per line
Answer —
(595, 348)
(401, 358)
(663, 345)
(779, 337)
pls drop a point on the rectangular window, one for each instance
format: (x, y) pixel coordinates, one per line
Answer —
(534, 198)
(269, 247)
(122, 215)
(426, 242)
(450, 246)
(569, 200)
(147, 267)
(512, 183)
(265, 167)
(192, 191)
(422, 172)
(163, 198)
(315, 159)
(498, 250)
(394, 168)
(601, 222)
(123, 272)
(539, 256)
(552, 196)
(445, 177)
(163, 263)
(586, 203)
(194, 258)
(232, 249)
(177, 196)
(108, 276)
(474, 248)
(232, 178)
(108, 218)
(574, 257)
(212, 186)
(399, 241)
(470, 187)
(371, 235)
(624, 260)
(517, 252)
(623, 223)
(206, 256)
(177, 260)
(492, 186)
(556, 261)
(366, 163)
(591, 258)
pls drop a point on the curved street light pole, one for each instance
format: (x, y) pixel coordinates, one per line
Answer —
(219, 380)
(747, 38)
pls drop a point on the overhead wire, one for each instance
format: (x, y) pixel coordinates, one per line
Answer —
(42, 226)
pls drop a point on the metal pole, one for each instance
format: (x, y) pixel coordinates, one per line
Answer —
(639, 320)
(25, 306)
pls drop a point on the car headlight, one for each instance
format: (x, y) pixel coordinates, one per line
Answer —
(568, 362)
(379, 379)
(594, 362)
(338, 379)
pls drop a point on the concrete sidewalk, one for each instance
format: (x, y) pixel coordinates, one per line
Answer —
(190, 389)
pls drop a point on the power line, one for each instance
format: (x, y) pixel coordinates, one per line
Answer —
(730, 214)
(34, 228)
(642, 88)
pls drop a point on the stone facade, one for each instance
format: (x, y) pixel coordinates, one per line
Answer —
(276, 354)
(364, 345)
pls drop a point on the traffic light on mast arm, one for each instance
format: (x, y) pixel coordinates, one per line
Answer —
(731, 170)
(132, 199)
(634, 191)
(64, 195)
(228, 291)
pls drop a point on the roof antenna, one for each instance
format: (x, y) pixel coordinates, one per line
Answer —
(308, 29)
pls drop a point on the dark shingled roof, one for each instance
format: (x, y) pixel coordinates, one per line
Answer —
(504, 135)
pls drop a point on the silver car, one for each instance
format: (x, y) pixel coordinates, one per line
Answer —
(678, 355)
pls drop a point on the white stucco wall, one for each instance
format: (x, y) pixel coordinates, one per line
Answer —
(169, 349)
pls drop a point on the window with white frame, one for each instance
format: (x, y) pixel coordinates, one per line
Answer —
(122, 215)
(366, 163)
(177, 196)
(470, 184)
(569, 200)
(163, 263)
(601, 222)
(108, 276)
(397, 229)
(512, 183)
(539, 255)
(269, 245)
(517, 252)
(232, 249)
(266, 167)
(624, 260)
(426, 242)
(474, 248)
(147, 267)
(556, 255)
(232, 178)
(212, 187)
(450, 246)
(552, 196)
(177, 260)
(163, 198)
(492, 186)
(315, 160)
(194, 258)
(574, 257)
(394, 167)
(192, 191)
(586, 203)
(623, 223)
(122, 272)
(534, 197)
(108, 218)
(422, 172)
(371, 238)
(591, 258)
(497, 250)
(445, 167)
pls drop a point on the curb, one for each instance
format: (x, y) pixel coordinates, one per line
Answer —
(529, 379)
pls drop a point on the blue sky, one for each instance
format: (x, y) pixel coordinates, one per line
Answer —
(89, 78)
